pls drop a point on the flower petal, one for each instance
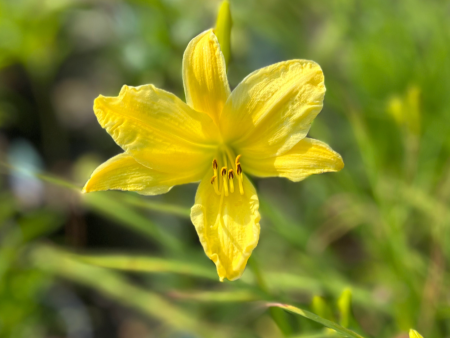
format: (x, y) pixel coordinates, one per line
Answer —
(159, 130)
(414, 334)
(228, 227)
(273, 108)
(204, 75)
(122, 172)
(307, 157)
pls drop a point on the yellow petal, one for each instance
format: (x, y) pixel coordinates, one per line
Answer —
(204, 75)
(228, 227)
(159, 130)
(122, 172)
(307, 157)
(272, 108)
(414, 334)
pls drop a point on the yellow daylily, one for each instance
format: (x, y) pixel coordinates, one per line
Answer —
(216, 138)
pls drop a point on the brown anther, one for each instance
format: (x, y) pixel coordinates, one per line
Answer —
(239, 175)
(213, 179)
(230, 174)
(223, 171)
(214, 163)
(238, 169)
(230, 180)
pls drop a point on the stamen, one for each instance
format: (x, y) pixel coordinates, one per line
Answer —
(230, 179)
(223, 172)
(237, 159)
(239, 174)
(241, 187)
(215, 182)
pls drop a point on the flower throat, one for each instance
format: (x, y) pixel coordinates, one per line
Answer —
(226, 184)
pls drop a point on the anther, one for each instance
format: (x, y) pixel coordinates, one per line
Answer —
(238, 169)
(215, 182)
(230, 179)
(239, 174)
(230, 174)
(223, 172)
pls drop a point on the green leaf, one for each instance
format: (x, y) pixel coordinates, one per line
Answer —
(331, 325)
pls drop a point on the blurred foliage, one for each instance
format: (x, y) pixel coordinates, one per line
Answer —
(120, 265)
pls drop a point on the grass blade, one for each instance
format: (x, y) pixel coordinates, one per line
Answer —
(216, 296)
(116, 287)
(117, 209)
(147, 264)
(144, 203)
(331, 325)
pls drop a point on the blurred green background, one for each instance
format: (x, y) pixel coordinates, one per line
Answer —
(118, 264)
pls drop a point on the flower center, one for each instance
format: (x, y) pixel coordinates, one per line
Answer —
(226, 184)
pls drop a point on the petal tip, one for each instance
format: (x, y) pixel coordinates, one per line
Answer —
(102, 100)
(99, 104)
(235, 272)
(242, 228)
(86, 189)
(340, 163)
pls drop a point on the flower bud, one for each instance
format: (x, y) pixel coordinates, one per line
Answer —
(223, 30)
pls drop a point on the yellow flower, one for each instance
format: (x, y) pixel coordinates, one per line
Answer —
(217, 138)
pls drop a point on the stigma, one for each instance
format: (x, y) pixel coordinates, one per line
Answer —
(226, 185)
